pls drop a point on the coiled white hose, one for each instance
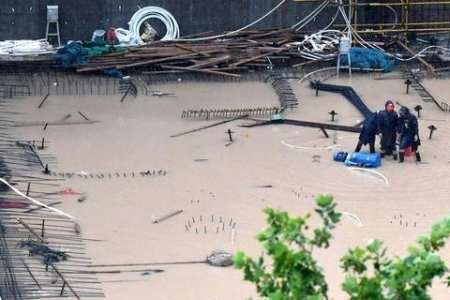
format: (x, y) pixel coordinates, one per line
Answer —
(133, 35)
(153, 12)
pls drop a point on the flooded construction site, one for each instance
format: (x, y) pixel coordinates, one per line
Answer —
(140, 173)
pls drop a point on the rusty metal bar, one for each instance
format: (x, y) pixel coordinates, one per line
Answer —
(31, 230)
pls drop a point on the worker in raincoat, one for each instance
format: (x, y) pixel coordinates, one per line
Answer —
(408, 130)
(368, 133)
(387, 126)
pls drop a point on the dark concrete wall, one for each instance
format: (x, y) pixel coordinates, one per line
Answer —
(26, 19)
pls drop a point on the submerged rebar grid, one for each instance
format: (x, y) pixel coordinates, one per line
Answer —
(41, 255)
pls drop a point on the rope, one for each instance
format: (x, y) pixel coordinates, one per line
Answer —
(386, 181)
(355, 217)
(309, 148)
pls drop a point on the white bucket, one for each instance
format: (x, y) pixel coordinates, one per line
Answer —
(99, 33)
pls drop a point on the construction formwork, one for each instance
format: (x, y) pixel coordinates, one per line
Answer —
(402, 16)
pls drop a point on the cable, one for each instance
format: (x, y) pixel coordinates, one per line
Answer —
(311, 45)
(362, 42)
(38, 203)
(395, 15)
(153, 12)
(418, 53)
(332, 20)
(238, 30)
(319, 40)
(305, 21)
(357, 37)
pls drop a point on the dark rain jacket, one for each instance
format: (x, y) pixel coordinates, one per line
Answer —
(369, 129)
(408, 129)
(387, 126)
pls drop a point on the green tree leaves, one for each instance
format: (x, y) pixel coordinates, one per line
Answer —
(370, 272)
(292, 273)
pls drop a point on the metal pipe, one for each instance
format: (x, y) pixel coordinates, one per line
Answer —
(392, 24)
(446, 29)
(383, 4)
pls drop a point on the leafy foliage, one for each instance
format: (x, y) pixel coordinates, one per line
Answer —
(293, 273)
(371, 275)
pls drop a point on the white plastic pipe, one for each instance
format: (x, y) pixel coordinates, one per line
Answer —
(153, 12)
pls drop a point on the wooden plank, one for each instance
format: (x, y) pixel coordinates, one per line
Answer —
(144, 62)
(207, 71)
(244, 61)
(211, 62)
(191, 50)
(153, 61)
(195, 35)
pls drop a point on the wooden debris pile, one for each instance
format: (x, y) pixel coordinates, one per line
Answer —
(251, 49)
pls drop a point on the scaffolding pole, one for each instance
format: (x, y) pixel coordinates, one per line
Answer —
(404, 25)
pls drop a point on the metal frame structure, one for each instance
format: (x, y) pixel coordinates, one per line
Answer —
(406, 11)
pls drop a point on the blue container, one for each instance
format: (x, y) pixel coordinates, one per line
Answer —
(363, 159)
(340, 156)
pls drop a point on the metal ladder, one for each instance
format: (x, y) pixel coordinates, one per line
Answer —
(53, 18)
(423, 92)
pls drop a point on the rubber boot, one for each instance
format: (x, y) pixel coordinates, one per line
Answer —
(372, 148)
(358, 146)
(418, 158)
(401, 157)
(394, 156)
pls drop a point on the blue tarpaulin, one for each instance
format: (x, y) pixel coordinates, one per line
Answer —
(76, 53)
(73, 53)
(366, 58)
(363, 159)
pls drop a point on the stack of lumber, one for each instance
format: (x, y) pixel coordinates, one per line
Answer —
(250, 49)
